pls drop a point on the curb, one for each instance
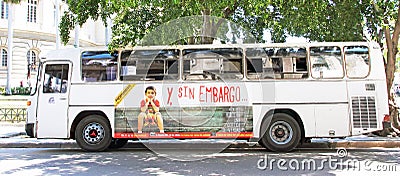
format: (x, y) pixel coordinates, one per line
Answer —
(14, 134)
(365, 144)
(63, 145)
(55, 143)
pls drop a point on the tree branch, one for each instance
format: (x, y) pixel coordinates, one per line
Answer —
(396, 32)
(390, 66)
(229, 11)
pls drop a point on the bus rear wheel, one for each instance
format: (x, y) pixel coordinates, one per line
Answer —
(93, 133)
(282, 133)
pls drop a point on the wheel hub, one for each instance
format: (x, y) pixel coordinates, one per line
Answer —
(281, 132)
(93, 133)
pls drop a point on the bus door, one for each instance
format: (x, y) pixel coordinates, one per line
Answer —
(53, 100)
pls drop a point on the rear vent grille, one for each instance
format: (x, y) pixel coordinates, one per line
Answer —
(364, 112)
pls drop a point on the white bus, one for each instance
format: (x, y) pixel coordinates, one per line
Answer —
(280, 94)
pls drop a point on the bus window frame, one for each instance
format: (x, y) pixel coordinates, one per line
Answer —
(281, 75)
(143, 77)
(102, 80)
(212, 76)
(369, 62)
(38, 79)
(59, 83)
(327, 78)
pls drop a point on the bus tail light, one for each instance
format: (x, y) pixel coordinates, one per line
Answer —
(386, 121)
(28, 103)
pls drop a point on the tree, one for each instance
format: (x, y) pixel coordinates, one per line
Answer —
(383, 22)
(317, 20)
(135, 19)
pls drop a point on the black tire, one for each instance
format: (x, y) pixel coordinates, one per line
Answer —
(29, 128)
(117, 143)
(93, 133)
(281, 134)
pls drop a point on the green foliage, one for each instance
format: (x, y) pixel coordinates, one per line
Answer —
(317, 20)
(13, 1)
(80, 11)
(379, 14)
(66, 24)
(17, 90)
(132, 24)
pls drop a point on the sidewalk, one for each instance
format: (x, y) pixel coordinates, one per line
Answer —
(8, 129)
(12, 135)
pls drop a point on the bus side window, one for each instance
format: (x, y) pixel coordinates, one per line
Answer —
(149, 65)
(326, 62)
(357, 61)
(213, 64)
(55, 78)
(99, 66)
(48, 84)
(276, 63)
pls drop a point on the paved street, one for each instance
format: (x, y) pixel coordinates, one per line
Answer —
(229, 162)
(366, 155)
(12, 135)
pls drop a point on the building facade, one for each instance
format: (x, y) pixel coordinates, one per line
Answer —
(34, 25)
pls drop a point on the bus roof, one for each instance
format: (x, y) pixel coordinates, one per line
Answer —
(250, 45)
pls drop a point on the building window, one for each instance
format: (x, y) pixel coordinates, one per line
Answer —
(31, 59)
(4, 57)
(4, 10)
(32, 7)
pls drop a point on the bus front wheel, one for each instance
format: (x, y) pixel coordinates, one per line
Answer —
(282, 133)
(93, 133)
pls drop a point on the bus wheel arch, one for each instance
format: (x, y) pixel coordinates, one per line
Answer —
(81, 116)
(290, 121)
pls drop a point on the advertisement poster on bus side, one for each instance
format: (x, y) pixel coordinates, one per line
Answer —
(183, 111)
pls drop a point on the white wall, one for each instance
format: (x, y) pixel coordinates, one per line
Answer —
(41, 36)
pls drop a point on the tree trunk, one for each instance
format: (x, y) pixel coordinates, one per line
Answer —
(210, 28)
(390, 62)
(392, 43)
(207, 37)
